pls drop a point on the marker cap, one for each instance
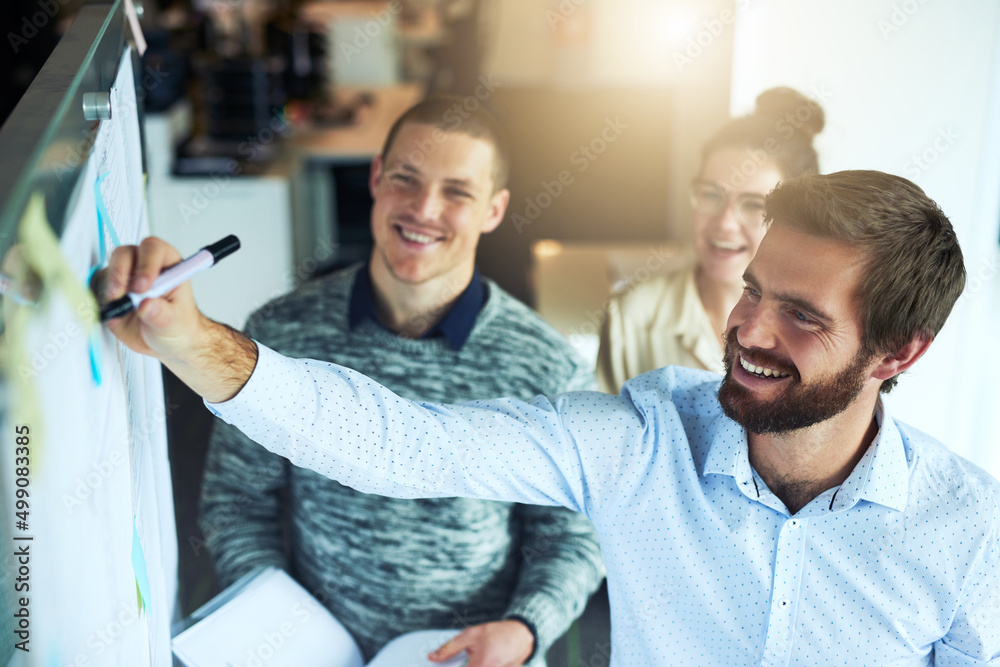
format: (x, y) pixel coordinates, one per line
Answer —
(226, 246)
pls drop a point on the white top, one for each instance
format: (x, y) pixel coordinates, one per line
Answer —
(656, 323)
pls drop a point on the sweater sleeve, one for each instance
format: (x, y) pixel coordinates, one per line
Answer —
(240, 510)
(561, 567)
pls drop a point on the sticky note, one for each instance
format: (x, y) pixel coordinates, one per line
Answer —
(139, 567)
(41, 251)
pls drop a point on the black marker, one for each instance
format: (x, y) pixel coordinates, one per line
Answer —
(172, 277)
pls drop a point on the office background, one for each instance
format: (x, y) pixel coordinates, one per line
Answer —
(908, 86)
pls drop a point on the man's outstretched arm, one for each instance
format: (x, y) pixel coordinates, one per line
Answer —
(345, 426)
(211, 358)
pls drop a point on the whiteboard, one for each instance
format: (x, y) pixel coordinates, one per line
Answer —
(96, 532)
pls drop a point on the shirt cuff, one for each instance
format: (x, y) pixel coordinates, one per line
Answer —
(272, 370)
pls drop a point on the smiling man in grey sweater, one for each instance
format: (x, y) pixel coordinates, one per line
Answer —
(418, 318)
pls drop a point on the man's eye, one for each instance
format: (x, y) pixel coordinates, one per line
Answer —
(801, 317)
(460, 194)
(402, 178)
(751, 293)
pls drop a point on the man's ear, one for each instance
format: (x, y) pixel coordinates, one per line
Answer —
(375, 175)
(902, 359)
(498, 206)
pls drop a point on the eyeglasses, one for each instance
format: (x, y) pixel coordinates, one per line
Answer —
(709, 198)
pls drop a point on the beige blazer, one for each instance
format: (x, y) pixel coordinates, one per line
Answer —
(653, 324)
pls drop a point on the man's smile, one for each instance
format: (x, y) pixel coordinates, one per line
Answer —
(762, 371)
(412, 236)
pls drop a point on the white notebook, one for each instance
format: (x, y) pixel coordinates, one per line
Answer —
(266, 619)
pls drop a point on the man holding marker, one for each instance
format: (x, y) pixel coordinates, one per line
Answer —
(780, 517)
(420, 319)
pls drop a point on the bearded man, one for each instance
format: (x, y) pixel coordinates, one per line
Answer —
(781, 516)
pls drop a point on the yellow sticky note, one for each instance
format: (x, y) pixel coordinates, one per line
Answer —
(40, 248)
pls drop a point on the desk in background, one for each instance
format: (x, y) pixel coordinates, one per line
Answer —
(571, 281)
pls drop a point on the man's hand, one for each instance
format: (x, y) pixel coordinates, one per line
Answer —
(159, 327)
(209, 357)
(499, 644)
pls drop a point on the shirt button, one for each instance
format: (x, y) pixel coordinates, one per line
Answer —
(794, 523)
(784, 603)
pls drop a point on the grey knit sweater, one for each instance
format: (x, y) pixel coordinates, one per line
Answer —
(385, 566)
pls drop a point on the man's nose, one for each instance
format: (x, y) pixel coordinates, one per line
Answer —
(755, 326)
(426, 204)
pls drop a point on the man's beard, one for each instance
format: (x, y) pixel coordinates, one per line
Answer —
(799, 405)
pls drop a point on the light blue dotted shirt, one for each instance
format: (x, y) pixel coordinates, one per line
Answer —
(900, 565)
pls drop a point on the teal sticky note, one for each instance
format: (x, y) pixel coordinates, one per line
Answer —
(94, 342)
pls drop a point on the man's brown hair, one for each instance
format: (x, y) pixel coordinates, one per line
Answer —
(453, 114)
(914, 270)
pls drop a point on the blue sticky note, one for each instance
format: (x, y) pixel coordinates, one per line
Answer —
(94, 342)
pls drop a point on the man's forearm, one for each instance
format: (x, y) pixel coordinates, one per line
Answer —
(218, 367)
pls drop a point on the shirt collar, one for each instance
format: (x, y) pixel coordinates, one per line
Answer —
(881, 476)
(728, 449)
(455, 326)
